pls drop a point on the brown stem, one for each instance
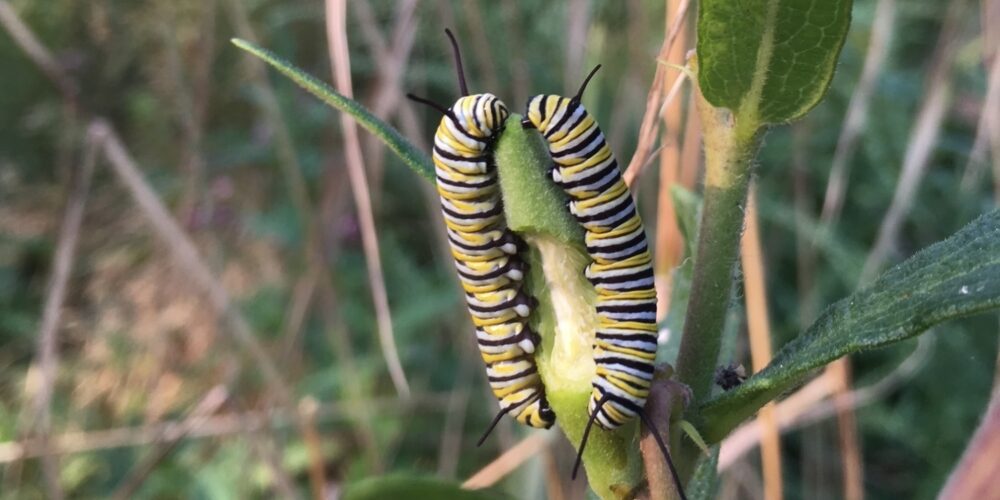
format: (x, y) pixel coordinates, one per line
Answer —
(666, 398)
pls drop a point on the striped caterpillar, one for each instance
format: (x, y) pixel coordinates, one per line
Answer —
(486, 252)
(621, 266)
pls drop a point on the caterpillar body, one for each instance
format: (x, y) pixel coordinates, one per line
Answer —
(621, 266)
(620, 270)
(486, 252)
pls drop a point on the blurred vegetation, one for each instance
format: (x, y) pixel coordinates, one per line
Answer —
(139, 345)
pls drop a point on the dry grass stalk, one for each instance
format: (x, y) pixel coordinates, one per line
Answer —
(669, 241)
(55, 295)
(314, 447)
(987, 130)
(387, 95)
(510, 460)
(207, 426)
(975, 475)
(336, 25)
(813, 403)
(649, 126)
(186, 255)
(759, 328)
(856, 118)
(38, 53)
(922, 141)
(210, 403)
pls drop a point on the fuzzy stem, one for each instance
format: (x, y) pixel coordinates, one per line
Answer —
(566, 315)
(730, 146)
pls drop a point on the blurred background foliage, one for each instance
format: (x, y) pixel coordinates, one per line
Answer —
(139, 344)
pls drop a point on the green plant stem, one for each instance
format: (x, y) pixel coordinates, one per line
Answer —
(565, 318)
(730, 146)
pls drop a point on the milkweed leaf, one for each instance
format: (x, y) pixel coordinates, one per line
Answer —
(410, 154)
(771, 58)
(957, 277)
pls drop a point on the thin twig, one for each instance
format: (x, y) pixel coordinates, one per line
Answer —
(454, 420)
(336, 26)
(812, 403)
(486, 63)
(758, 325)
(314, 447)
(647, 131)
(669, 244)
(37, 52)
(975, 474)
(392, 63)
(510, 460)
(666, 398)
(209, 404)
(691, 153)
(187, 256)
(847, 429)
(923, 139)
(209, 427)
(62, 268)
(346, 364)
(988, 128)
(634, 170)
(856, 118)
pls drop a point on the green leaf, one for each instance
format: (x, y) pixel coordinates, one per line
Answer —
(410, 154)
(414, 488)
(957, 277)
(771, 60)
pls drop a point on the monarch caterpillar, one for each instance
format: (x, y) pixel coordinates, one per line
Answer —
(621, 266)
(486, 252)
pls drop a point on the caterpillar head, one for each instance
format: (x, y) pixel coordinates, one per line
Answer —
(541, 110)
(544, 111)
(482, 115)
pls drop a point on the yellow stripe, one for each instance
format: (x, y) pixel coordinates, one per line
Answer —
(605, 345)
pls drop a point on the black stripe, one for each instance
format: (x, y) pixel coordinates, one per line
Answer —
(583, 116)
(521, 374)
(465, 246)
(495, 210)
(570, 108)
(638, 240)
(541, 108)
(634, 385)
(475, 106)
(496, 343)
(599, 173)
(629, 209)
(463, 131)
(486, 277)
(634, 308)
(590, 138)
(470, 185)
(485, 158)
(631, 363)
(626, 337)
(646, 273)
(518, 300)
